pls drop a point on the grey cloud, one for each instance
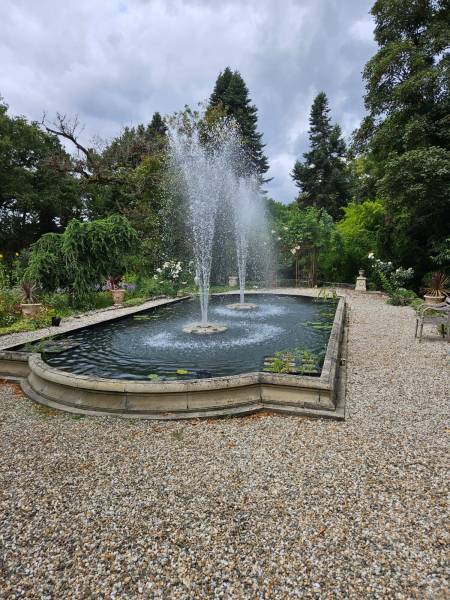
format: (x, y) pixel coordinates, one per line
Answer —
(115, 62)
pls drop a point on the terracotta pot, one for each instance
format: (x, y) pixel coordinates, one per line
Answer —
(30, 310)
(118, 295)
(433, 299)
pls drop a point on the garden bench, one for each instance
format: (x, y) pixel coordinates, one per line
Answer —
(436, 314)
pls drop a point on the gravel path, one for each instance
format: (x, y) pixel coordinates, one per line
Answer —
(256, 507)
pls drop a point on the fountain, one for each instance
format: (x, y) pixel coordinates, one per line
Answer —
(245, 209)
(282, 356)
(209, 160)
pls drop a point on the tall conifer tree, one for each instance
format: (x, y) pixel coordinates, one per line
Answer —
(231, 92)
(322, 176)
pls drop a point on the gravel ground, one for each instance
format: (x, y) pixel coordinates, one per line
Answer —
(256, 507)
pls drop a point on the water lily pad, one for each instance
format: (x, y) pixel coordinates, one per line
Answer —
(182, 372)
(154, 377)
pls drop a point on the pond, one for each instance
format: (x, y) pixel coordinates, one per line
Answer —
(283, 334)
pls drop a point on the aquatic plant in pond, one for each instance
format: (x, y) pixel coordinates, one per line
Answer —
(142, 348)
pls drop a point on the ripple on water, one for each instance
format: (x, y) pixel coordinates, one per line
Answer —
(261, 312)
(253, 334)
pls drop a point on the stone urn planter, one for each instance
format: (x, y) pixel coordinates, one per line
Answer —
(233, 281)
(30, 310)
(436, 289)
(429, 299)
(29, 307)
(118, 295)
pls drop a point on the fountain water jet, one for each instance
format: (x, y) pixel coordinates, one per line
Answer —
(206, 159)
(245, 209)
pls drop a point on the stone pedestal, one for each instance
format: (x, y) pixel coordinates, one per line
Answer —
(233, 281)
(361, 282)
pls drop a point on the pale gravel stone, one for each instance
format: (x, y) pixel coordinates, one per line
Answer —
(260, 507)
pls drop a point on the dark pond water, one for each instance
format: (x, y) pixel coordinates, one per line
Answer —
(152, 345)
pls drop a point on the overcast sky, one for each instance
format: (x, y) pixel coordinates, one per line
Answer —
(116, 62)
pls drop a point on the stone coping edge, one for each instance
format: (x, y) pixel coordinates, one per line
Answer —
(220, 396)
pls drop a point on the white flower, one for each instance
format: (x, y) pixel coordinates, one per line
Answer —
(273, 231)
(155, 276)
(286, 228)
(158, 270)
(297, 247)
(371, 256)
(278, 238)
(293, 250)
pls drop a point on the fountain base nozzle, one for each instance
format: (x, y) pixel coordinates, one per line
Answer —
(242, 306)
(204, 328)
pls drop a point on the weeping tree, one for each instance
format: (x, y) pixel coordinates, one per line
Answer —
(82, 257)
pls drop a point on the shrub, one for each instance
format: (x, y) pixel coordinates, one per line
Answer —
(9, 306)
(392, 281)
(101, 300)
(82, 257)
(134, 301)
(59, 302)
(402, 297)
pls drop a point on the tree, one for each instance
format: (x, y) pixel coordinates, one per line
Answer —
(126, 176)
(303, 236)
(231, 93)
(406, 133)
(83, 256)
(322, 176)
(36, 196)
(359, 230)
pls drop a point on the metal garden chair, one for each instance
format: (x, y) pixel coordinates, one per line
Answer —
(436, 314)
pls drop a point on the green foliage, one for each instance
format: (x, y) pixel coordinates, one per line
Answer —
(322, 177)
(392, 281)
(416, 188)
(19, 324)
(306, 238)
(36, 195)
(406, 136)
(83, 257)
(60, 302)
(9, 306)
(149, 286)
(441, 253)
(231, 93)
(47, 264)
(328, 296)
(136, 301)
(359, 230)
(100, 300)
(300, 360)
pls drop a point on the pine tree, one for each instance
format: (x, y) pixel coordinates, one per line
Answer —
(322, 176)
(157, 126)
(231, 92)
